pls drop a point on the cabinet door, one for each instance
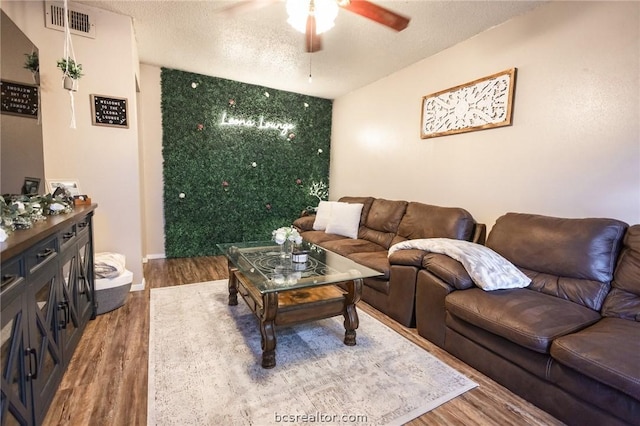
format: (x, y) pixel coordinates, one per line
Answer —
(85, 286)
(44, 338)
(69, 321)
(17, 362)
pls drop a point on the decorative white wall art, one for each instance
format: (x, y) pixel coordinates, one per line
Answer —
(480, 104)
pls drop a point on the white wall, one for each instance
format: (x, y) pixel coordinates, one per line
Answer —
(151, 123)
(104, 160)
(573, 149)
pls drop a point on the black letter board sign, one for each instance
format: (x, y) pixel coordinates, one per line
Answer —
(109, 111)
(19, 99)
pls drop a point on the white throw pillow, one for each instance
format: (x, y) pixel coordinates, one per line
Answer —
(345, 219)
(323, 214)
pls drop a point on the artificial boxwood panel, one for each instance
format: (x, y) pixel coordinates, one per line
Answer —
(234, 169)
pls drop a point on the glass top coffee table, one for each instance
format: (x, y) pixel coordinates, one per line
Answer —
(281, 291)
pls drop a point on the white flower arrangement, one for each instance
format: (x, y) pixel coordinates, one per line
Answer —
(22, 211)
(285, 233)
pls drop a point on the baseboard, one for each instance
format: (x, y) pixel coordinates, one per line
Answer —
(153, 256)
(139, 286)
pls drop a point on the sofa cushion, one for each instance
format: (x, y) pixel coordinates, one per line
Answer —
(427, 221)
(525, 317)
(347, 246)
(304, 223)
(345, 219)
(608, 351)
(320, 237)
(623, 301)
(382, 221)
(583, 249)
(588, 293)
(377, 260)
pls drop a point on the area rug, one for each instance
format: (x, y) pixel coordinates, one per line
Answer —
(204, 368)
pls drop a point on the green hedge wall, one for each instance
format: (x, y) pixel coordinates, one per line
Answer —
(233, 168)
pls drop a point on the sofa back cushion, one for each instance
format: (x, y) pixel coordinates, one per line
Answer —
(427, 221)
(569, 258)
(623, 301)
(382, 221)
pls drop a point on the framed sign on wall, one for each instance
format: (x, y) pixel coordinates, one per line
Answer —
(481, 104)
(109, 111)
(19, 99)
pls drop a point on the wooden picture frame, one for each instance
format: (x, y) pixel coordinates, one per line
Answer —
(70, 185)
(484, 103)
(31, 186)
(109, 111)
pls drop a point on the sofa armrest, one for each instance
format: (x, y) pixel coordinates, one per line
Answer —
(304, 223)
(449, 270)
(431, 293)
(410, 257)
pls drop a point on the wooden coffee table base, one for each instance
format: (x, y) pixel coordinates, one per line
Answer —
(296, 306)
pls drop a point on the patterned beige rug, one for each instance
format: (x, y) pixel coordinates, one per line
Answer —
(204, 368)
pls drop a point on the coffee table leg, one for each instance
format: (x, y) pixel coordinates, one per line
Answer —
(268, 329)
(233, 286)
(354, 292)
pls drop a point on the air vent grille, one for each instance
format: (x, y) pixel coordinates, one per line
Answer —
(80, 22)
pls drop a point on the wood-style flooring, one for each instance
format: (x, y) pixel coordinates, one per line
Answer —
(106, 382)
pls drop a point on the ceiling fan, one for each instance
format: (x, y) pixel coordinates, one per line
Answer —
(309, 16)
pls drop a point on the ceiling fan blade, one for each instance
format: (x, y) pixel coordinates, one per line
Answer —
(313, 42)
(244, 6)
(377, 13)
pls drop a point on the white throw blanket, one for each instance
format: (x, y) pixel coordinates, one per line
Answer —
(109, 265)
(487, 269)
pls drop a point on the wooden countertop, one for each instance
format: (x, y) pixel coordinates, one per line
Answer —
(22, 239)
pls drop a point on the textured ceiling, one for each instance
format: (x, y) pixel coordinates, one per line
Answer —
(259, 47)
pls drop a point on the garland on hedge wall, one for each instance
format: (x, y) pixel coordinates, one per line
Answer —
(239, 160)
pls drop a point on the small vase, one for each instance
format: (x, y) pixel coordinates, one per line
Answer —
(286, 249)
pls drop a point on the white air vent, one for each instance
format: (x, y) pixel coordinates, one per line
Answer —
(80, 20)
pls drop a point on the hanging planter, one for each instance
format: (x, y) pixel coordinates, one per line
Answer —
(71, 72)
(70, 83)
(32, 63)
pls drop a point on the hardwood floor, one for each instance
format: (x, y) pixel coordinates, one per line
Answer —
(106, 382)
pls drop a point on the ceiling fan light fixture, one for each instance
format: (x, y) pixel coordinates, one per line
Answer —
(324, 11)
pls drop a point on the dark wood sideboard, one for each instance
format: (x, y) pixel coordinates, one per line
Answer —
(47, 297)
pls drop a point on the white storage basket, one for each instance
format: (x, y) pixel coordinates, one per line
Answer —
(111, 293)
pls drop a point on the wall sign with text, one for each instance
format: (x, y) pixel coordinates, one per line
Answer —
(109, 111)
(19, 99)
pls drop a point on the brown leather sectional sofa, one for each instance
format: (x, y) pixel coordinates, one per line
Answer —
(382, 224)
(570, 341)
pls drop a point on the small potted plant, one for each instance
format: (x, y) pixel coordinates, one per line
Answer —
(72, 72)
(32, 63)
